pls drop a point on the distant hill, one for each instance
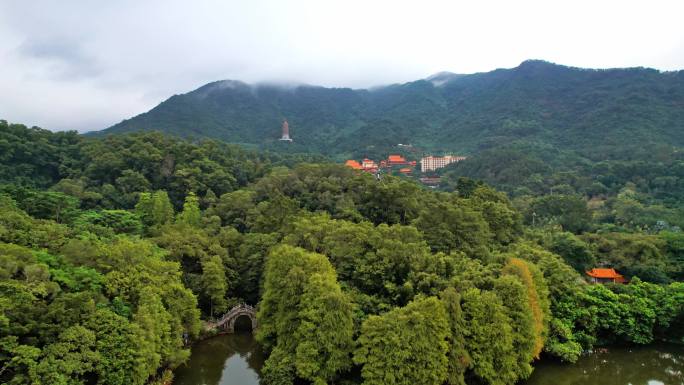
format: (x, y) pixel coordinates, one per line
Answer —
(595, 113)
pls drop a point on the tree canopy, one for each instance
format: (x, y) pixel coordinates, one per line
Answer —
(114, 251)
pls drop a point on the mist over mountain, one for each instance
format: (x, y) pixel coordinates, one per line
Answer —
(596, 113)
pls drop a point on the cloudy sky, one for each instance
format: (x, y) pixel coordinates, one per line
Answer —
(85, 65)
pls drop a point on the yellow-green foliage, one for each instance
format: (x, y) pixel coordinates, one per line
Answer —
(522, 270)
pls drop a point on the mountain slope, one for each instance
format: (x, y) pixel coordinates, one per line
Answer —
(589, 111)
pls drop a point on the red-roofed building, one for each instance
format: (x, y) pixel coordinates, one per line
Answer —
(605, 276)
(353, 164)
(396, 159)
(369, 165)
(394, 162)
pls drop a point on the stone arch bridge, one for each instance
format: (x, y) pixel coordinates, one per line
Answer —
(227, 321)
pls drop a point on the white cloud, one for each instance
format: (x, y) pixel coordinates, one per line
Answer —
(86, 65)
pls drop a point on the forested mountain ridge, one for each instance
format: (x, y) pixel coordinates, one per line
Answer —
(590, 111)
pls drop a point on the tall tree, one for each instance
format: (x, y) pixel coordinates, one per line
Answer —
(459, 358)
(214, 283)
(537, 298)
(405, 346)
(489, 337)
(155, 209)
(191, 211)
(522, 322)
(325, 334)
(304, 316)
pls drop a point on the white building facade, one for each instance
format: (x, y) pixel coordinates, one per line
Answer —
(432, 163)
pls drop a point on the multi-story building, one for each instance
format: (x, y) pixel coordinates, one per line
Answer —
(432, 163)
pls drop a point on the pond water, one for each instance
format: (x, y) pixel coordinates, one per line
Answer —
(647, 365)
(235, 359)
(229, 359)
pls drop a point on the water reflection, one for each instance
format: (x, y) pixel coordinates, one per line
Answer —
(230, 359)
(235, 359)
(651, 365)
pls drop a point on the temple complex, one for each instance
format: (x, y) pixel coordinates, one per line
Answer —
(393, 162)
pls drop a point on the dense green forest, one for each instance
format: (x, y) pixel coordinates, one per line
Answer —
(113, 251)
(636, 204)
(593, 112)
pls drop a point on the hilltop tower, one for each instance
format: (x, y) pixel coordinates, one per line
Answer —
(286, 132)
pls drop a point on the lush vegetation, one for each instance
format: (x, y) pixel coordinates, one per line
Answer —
(594, 112)
(621, 213)
(113, 250)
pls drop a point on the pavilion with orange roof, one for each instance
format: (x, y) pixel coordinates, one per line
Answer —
(601, 275)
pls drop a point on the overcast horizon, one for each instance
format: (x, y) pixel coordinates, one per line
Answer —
(86, 66)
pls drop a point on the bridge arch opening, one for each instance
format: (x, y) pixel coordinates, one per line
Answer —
(243, 323)
(228, 321)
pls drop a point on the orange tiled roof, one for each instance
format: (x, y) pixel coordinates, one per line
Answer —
(604, 273)
(353, 164)
(396, 158)
(405, 170)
